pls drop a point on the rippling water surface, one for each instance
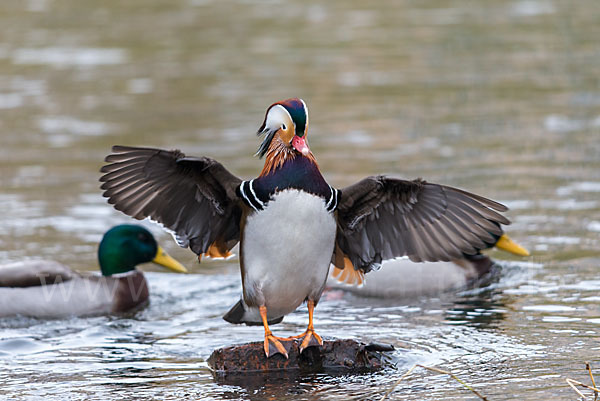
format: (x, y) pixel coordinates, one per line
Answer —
(501, 98)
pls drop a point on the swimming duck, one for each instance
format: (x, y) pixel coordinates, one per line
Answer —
(42, 288)
(403, 278)
(290, 223)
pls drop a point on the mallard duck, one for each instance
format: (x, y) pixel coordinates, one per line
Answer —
(290, 223)
(403, 278)
(42, 288)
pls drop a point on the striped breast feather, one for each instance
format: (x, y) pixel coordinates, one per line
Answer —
(333, 199)
(247, 193)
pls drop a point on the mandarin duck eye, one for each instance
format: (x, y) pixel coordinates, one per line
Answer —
(283, 127)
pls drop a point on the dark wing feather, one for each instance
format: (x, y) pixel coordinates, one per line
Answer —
(194, 197)
(381, 218)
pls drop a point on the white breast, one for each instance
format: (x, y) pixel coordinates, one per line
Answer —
(287, 250)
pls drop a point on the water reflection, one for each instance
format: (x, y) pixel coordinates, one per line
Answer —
(482, 306)
(481, 311)
(276, 384)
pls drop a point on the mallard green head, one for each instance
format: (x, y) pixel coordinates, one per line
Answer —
(125, 246)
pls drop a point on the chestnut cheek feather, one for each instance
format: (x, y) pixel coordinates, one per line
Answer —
(285, 135)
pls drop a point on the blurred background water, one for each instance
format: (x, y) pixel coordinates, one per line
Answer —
(500, 98)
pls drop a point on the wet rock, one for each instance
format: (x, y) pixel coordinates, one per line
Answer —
(344, 355)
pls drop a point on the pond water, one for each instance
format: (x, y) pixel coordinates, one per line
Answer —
(500, 98)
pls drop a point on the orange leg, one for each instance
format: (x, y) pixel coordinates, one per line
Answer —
(310, 337)
(272, 344)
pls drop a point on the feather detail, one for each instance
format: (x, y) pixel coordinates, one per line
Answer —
(278, 153)
(348, 274)
(217, 250)
(344, 271)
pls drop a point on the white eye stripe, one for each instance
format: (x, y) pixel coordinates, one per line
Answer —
(277, 117)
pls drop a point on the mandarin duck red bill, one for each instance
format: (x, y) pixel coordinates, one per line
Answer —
(291, 224)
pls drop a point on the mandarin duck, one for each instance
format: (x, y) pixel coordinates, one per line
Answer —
(48, 289)
(290, 223)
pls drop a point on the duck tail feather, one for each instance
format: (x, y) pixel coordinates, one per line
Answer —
(238, 314)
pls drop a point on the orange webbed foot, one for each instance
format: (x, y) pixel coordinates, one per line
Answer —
(272, 344)
(311, 339)
(275, 345)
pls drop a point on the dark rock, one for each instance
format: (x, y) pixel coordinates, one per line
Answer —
(338, 355)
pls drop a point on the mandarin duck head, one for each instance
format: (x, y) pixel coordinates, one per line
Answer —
(284, 128)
